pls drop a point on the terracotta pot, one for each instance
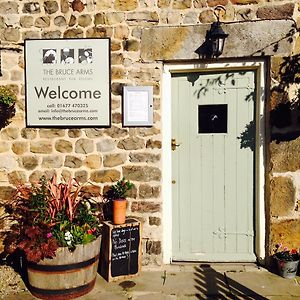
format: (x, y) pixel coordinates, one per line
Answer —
(119, 211)
(68, 275)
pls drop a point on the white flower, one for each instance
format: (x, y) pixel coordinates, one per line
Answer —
(68, 236)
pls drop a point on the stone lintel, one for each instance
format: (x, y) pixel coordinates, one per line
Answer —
(254, 38)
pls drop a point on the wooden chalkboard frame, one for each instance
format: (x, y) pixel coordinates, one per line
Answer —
(121, 244)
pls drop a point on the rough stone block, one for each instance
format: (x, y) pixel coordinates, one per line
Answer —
(72, 21)
(74, 133)
(53, 161)
(42, 22)
(286, 232)
(103, 4)
(19, 147)
(117, 118)
(154, 221)
(72, 162)
(63, 146)
(51, 7)
(142, 173)
(4, 146)
(142, 18)
(284, 156)
(163, 3)
(31, 8)
(105, 176)
(17, 177)
(66, 175)
(144, 157)
(60, 21)
(153, 247)
(121, 32)
(8, 7)
(145, 207)
(6, 192)
(182, 4)
(26, 21)
(116, 132)
(73, 33)
(81, 176)
(51, 34)
(97, 32)
(284, 11)
(29, 162)
(93, 161)
(132, 143)
(92, 133)
(64, 6)
(207, 16)
(106, 145)
(84, 20)
(147, 191)
(84, 146)
(44, 147)
(35, 176)
(117, 73)
(148, 131)
(113, 160)
(51, 133)
(282, 198)
(153, 144)
(28, 133)
(245, 2)
(125, 5)
(213, 3)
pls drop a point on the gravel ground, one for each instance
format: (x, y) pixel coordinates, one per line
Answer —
(10, 282)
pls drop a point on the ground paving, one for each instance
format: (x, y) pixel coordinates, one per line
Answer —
(189, 282)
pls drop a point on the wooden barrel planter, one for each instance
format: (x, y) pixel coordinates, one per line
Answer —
(68, 275)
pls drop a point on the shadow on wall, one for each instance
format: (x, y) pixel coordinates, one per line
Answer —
(285, 113)
(211, 284)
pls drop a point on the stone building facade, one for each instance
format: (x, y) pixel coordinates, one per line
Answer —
(145, 35)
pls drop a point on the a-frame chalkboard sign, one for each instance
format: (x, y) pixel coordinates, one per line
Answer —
(120, 250)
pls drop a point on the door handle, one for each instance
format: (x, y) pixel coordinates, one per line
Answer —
(174, 145)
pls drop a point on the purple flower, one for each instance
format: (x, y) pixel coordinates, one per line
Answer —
(49, 235)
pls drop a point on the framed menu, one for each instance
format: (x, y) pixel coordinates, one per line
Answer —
(138, 106)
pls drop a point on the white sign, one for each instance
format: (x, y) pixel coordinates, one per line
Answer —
(67, 83)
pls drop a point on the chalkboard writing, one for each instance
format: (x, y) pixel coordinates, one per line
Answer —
(125, 250)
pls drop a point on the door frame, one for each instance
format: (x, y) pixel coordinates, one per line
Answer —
(260, 66)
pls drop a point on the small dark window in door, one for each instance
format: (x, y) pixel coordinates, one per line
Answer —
(212, 118)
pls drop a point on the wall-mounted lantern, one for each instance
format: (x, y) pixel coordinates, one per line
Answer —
(216, 35)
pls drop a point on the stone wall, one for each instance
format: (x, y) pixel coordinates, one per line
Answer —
(105, 155)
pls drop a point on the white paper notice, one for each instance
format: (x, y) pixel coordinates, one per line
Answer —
(137, 106)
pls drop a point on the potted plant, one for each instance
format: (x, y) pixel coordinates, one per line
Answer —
(287, 260)
(58, 228)
(7, 105)
(117, 194)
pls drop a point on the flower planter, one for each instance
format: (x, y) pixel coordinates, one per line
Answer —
(68, 275)
(287, 269)
(119, 211)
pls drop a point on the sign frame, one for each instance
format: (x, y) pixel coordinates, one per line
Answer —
(138, 106)
(68, 83)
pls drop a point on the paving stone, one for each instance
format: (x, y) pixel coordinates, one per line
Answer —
(269, 284)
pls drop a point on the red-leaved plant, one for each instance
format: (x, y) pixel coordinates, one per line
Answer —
(286, 254)
(48, 215)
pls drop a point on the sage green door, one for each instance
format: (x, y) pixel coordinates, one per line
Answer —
(213, 166)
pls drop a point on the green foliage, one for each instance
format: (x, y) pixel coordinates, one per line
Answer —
(48, 215)
(7, 96)
(119, 190)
